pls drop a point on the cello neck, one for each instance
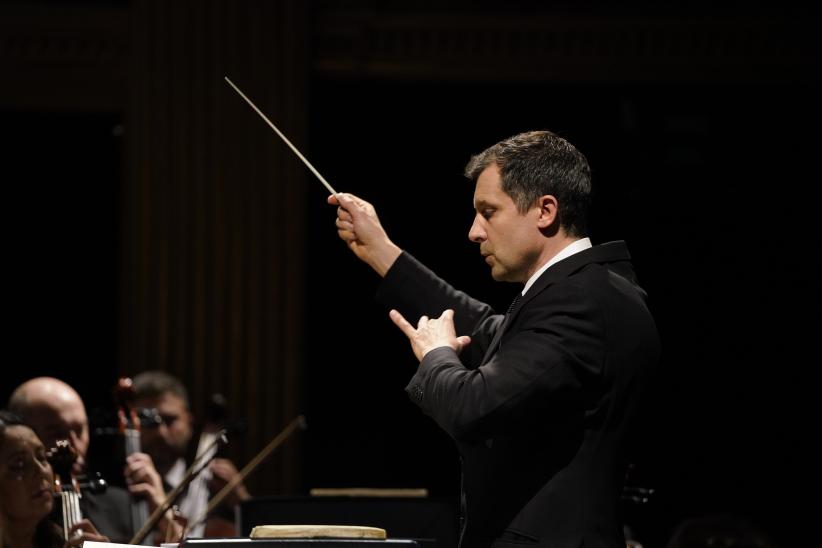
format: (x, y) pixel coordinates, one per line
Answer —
(62, 457)
(130, 430)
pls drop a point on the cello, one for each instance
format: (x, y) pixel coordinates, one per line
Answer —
(62, 457)
(129, 426)
(67, 486)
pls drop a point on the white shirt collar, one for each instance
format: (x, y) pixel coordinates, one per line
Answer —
(572, 248)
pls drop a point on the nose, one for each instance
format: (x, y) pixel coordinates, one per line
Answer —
(477, 233)
(164, 432)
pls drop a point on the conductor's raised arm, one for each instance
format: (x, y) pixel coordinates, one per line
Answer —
(359, 227)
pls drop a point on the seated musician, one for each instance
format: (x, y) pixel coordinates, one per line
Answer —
(56, 411)
(27, 493)
(172, 446)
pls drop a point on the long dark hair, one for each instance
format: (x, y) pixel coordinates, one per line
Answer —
(47, 534)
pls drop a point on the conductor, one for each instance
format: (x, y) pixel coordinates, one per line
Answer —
(539, 401)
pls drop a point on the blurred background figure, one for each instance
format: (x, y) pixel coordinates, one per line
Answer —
(27, 492)
(56, 411)
(172, 445)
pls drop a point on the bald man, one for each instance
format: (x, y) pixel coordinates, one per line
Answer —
(55, 411)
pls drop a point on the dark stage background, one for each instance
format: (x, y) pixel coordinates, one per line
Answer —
(706, 167)
(700, 192)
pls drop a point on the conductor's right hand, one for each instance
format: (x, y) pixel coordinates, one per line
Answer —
(359, 227)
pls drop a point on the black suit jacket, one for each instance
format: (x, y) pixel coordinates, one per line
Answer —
(539, 405)
(109, 512)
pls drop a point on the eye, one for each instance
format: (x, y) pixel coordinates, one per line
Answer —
(169, 419)
(57, 433)
(17, 464)
(487, 213)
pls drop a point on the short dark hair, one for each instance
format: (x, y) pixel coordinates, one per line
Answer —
(155, 383)
(536, 163)
(7, 418)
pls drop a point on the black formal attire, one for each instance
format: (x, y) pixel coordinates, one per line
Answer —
(540, 403)
(110, 512)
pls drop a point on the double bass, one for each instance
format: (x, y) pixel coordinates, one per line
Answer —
(129, 426)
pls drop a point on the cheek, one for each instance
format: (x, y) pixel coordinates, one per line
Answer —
(82, 445)
(180, 434)
(150, 436)
(8, 496)
(12, 500)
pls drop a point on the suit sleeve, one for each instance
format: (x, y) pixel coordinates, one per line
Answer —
(414, 290)
(550, 355)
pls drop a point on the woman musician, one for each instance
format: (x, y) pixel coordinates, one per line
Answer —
(27, 493)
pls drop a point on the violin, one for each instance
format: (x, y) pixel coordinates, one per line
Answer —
(69, 487)
(129, 427)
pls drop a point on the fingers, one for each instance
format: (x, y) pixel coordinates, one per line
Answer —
(344, 215)
(349, 206)
(139, 468)
(84, 525)
(422, 323)
(84, 530)
(342, 224)
(223, 469)
(142, 478)
(149, 493)
(342, 199)
(142, 489)
(463, 341)
(402, 323)
(344, 220)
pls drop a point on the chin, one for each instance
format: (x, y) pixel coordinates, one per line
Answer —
(500, 273)
(500, 276)
(46, 509)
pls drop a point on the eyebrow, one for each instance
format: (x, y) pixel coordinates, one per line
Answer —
(482, 203)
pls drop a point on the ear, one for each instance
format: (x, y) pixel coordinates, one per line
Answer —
(547, 211)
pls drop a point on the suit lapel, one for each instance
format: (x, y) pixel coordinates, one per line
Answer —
(603, 253)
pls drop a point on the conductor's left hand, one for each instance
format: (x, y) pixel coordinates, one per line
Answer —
(431, 333)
